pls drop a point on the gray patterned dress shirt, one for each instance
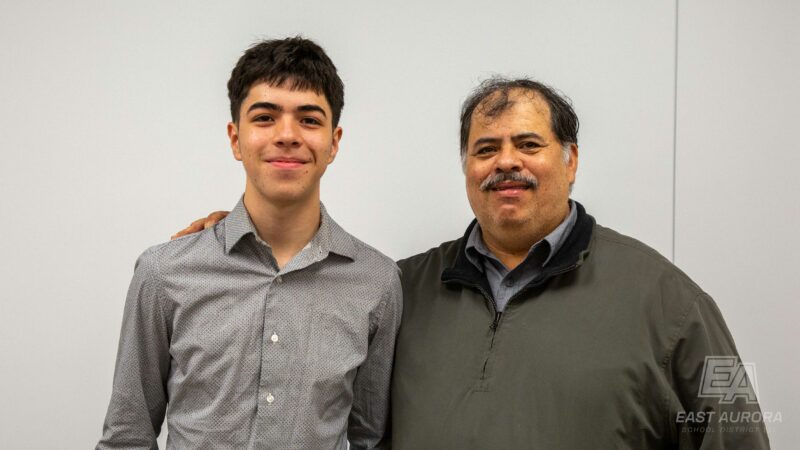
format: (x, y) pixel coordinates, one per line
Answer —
(505, 283)
(240, 354)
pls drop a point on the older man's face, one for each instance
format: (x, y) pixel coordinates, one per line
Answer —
(519, 146)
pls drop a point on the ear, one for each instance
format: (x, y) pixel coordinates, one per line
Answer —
(233, 136)
(337, 135)
(572, 165)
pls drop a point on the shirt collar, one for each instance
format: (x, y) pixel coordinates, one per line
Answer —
(330, 238)
(476, 247)
(559, 235)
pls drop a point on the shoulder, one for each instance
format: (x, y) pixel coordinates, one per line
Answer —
(434, 260)
(373, 257)
(366, 257)
(375, 268)
(607, 239)
(184, 251)
(631, 266)
(629, 254)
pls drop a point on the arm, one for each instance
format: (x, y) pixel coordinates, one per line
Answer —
(727, 423)
(139, 397)
(369, 417)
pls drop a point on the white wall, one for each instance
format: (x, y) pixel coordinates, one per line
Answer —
(112, 123)
(737, 188)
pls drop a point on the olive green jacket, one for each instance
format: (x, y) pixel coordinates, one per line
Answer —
(606, 349)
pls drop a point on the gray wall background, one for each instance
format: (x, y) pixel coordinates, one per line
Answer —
(112, 124)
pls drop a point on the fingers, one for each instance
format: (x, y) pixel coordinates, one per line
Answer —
(194, 227)
(214, 218)
(201, 224)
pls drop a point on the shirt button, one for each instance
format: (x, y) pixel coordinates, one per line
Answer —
(274, 338)
(278, 280)
(509, 282)
(270, 398)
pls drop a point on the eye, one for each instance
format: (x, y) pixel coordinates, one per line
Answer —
(263, 118)
(484, 150)
(311, 121)
(529, 145)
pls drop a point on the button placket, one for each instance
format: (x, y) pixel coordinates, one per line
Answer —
(268, 382)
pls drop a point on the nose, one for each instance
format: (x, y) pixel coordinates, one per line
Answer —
(508, 160)
(287, 134)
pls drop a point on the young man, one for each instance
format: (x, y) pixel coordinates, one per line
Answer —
(275, 328)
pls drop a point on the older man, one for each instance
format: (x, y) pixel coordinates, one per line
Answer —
(541, 329)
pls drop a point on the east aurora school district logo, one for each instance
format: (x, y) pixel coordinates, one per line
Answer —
(726, 378)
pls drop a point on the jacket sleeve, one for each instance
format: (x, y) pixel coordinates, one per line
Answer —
(718, 407)
(139, 397)
(369, 417)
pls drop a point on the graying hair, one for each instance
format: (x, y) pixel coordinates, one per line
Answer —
(563, 120)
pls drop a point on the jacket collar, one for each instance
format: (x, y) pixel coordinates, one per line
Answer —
(569, 256)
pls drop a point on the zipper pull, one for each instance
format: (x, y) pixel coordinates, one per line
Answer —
(496, 322)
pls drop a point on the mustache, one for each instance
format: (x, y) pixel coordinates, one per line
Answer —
(491, 182)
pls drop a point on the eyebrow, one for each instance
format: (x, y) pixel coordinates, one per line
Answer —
(265, 105)
(312, 108)
(528, 135)
(515, 138)
(279, 108)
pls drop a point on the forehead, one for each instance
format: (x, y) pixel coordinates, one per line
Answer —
(285, 95)
(514, 110)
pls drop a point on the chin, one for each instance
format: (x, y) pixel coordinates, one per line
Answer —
(509, 220)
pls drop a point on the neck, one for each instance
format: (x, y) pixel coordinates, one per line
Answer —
(287, 228)
(510, 249)
(510, 243)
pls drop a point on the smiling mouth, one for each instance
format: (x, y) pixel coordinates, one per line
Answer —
(510, 187)
(286, 163)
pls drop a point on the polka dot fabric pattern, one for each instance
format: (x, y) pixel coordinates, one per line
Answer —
(237, 353)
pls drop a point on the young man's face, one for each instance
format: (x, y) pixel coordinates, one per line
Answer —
(285, 139)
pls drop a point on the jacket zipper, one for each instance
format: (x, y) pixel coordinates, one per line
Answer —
(492, 302)
(493, 326)
(499, 315)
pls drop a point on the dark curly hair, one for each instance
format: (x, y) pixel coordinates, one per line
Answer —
(297, 61)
